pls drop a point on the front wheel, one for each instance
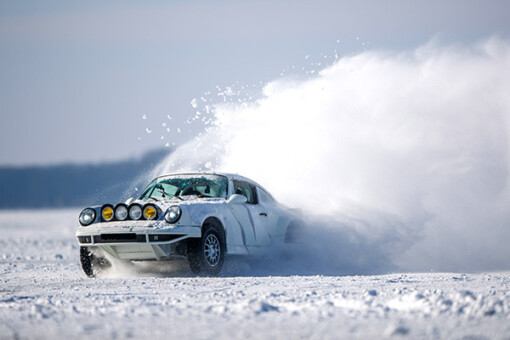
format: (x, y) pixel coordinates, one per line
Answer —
(92, 264)
(206, 254)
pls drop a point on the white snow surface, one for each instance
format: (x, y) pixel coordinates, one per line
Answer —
(45, 295)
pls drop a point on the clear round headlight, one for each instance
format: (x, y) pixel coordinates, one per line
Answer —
(173, 214)
(135, 212)
(107, 213)
(87, 216)
(121, 212)
(150, 212)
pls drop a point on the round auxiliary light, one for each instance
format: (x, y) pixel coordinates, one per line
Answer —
(87, 216)
(107, 213)
(135, 212)
(173, 214)
(121, 212)
(150, 212)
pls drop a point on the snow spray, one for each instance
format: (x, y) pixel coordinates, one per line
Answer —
(400, 159)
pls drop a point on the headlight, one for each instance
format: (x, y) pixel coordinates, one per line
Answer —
(150, 212)
(173, 214)
(107, 213)
(135, 212)
(87, 216)
(121, 212)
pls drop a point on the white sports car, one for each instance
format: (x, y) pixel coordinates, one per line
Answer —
(200, 216)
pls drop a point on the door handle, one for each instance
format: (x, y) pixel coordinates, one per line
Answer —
(263, 214)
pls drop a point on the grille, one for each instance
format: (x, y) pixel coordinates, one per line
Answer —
(117, 238)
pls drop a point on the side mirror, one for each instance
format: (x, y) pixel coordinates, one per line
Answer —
(237, 199)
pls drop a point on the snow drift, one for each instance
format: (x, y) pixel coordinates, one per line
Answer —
(400, 159)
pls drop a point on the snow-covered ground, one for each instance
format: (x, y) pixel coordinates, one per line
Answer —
(44, 294)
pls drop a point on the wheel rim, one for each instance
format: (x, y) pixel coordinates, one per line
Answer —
(212, 250)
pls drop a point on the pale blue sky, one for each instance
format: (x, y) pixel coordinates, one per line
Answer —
(77, 76)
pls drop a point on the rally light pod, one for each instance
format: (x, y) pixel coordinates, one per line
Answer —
(150, 212)
(107, 213)
(121, 212)
(135, 211)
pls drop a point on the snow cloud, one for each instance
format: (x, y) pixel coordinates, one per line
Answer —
(407, 153)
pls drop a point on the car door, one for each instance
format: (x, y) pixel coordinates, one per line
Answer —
(251, 215)
(268, 212)
(243, 216)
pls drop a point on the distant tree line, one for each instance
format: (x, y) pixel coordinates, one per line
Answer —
(75, 185)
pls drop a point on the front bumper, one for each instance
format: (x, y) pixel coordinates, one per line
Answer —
(137, 243)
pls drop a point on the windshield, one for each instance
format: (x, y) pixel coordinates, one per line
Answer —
(186, 185)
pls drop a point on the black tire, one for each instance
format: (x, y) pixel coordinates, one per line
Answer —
(295, 232)
(207, 254)
(91, 264)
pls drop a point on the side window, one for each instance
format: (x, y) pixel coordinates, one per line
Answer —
(247, 190)
(264, 197)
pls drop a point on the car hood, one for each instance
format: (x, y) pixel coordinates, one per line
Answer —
(185, 200)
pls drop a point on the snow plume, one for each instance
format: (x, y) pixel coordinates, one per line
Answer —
(404, 156)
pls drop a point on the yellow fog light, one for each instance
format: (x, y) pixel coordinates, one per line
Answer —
(149, 212)
(107, 213)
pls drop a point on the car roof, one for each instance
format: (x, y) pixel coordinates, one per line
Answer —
(231, 176)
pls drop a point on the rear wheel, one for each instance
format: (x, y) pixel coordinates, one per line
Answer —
(295, 232)
(206, 254)
(92, 264)
(294, 242)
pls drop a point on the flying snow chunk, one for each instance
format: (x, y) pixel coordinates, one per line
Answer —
(168, 116)
(194, 103)
(148, 130)
(208, 165)
(144, 116)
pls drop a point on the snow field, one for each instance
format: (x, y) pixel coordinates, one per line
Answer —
(44, 294)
